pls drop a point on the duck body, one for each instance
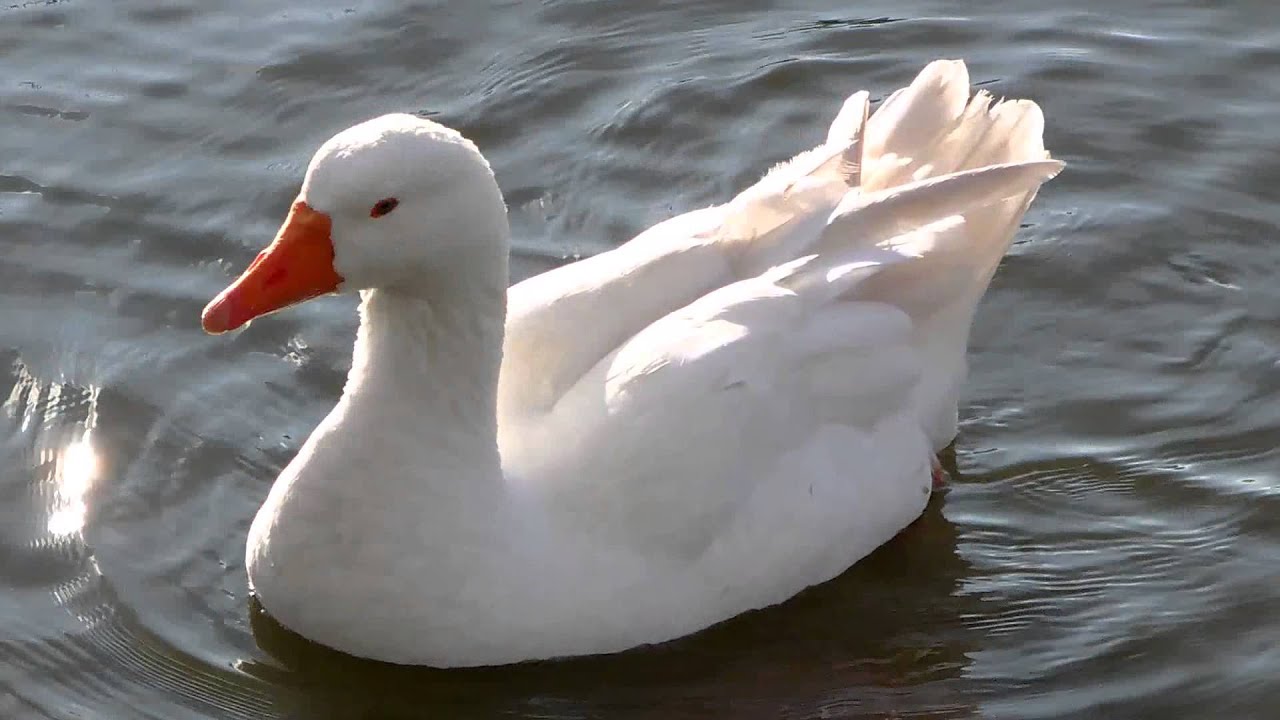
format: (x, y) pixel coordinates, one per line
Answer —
(739, 403)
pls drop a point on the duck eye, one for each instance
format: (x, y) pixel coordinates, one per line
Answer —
(383, 206)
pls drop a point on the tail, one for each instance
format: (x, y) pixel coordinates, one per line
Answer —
(945, 178)
(933, 128)
(915, 206)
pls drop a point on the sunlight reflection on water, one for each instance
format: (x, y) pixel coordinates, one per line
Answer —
(77, 469)
(65, 448)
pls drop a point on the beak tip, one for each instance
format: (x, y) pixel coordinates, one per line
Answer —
(216, 318)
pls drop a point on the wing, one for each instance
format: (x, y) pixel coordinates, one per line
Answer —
(706, 400)
(561, 323)
(649, 390)
(702, 401)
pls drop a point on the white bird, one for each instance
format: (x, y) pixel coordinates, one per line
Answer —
(739, 403)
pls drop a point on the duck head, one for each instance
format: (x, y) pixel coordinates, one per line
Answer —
(397, 202)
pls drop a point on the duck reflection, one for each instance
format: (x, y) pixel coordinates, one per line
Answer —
(886, 638)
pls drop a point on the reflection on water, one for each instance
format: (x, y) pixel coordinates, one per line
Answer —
(60, 443)
(75, 471)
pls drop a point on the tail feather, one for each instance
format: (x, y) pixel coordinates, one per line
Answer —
(867, 218)
(1012, 130)
(850, 121)
(906, 127)
(849, 130)
(924, 151)
(918, 146)
(933, 127)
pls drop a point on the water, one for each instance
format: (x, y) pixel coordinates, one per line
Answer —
(1108, 550)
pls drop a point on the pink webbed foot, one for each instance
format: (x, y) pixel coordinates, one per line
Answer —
(940, 475)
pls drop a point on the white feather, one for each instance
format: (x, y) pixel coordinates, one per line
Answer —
(737, 404)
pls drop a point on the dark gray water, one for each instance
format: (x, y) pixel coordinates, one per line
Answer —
(1111, 547)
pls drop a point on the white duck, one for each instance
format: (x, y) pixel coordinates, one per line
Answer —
(739, 403)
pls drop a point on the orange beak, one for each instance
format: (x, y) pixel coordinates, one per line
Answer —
(297, 266)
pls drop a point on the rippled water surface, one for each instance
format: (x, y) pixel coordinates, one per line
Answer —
(1110, 549)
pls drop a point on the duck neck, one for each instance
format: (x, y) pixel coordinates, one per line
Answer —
(425, 374)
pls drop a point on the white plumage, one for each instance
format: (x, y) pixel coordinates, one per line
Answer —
(739, 403)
